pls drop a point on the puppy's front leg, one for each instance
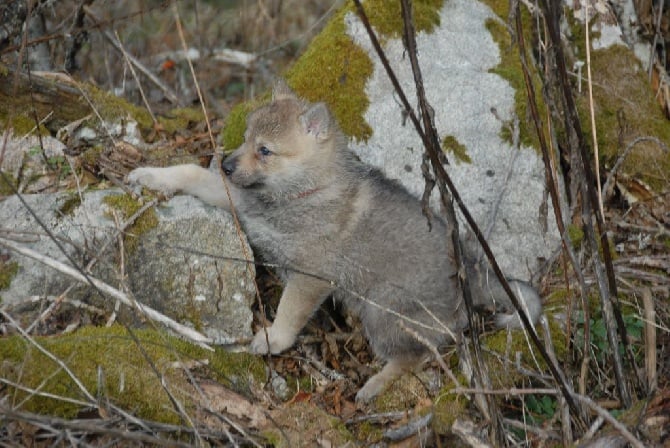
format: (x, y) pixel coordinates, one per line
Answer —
(188, 179)
(301, 296)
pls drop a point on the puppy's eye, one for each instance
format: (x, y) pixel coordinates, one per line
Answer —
(264, 151)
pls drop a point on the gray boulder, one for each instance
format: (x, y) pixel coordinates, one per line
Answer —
(503, 187)
(185, 262)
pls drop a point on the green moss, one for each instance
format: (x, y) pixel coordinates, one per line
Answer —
(369, 433)
(236, 370)
(91, 156)
(113, 108)
(576, 235)
(19, 107)
(386, 17)
(511, 70)
(179, 119)
(70, 205)
(578, 36)
(189, 312)
(625, 109)
(498, 343)
(128, 381)
(447, 408)
(299, 384)
(559, 298)
(304, 383)
(8, 270)
(403, 393)
(6, 190)
(232, 135)
(23, 124)
(128, 207)
(335, 70)
(452, 146)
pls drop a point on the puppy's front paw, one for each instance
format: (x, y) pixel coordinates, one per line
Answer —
(370, 389)
(152, 178)
(279, 341)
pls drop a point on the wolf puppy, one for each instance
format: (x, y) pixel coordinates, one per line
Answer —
(308, 205)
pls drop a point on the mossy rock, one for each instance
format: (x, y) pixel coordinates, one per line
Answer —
(335, 70)
(127, 207)
(8, 270)
(114, 367)
(625, 109)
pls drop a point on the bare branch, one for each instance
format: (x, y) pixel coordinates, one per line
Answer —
(152, 314)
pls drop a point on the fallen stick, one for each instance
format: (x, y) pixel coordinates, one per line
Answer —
(149, 312)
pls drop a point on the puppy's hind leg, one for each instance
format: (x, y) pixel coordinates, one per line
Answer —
(393, 369)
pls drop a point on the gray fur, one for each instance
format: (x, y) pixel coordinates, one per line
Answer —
(308, 204)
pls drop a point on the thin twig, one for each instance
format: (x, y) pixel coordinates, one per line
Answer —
(609, 182)
(433, 349)
(169, 94)
(409, 429)
(433, 150)
(657, 35)
(39, 393)
(616, 424)
(507, 392)
(49, 355)
(592, 112)
(126, 56)
(91, 426)
(650, 350)
(606, 280)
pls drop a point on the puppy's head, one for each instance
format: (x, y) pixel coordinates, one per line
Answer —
(288, 146)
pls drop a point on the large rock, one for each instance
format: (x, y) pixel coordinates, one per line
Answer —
(185, 263)
(503, 186)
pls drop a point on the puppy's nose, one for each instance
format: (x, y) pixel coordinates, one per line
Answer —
(228, 166)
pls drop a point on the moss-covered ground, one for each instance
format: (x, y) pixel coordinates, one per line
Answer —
(115, 368)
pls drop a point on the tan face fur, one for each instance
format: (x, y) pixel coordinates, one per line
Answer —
(287, 147)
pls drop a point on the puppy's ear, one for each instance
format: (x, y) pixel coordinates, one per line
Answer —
(282, 91)
(316, 121)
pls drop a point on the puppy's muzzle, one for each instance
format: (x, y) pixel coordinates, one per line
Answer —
(229, 165)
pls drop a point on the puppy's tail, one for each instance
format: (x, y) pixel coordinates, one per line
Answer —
(487, 291)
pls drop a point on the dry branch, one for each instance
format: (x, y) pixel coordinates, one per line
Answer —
(468, 433)
(616, 424)
(149, 312)
(133, 61)
(148, 433)
(586, 180)
(650, 349)
(411, 428)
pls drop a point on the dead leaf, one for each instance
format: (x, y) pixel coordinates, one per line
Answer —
(223, 400)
